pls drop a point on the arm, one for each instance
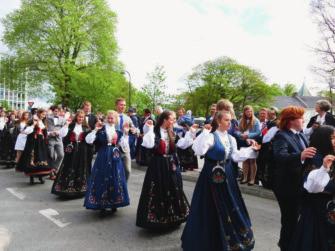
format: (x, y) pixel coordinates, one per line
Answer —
(242, 154)
(283, 156)
(317, 180)
(256, 131)
(63, 131)
(187, 141)
(28, 130)
(203, 142)
(90, 138)
(270, 134)
(149, 138)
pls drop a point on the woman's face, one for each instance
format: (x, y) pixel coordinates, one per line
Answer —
(224, 124)
(248, 113)
(333, 140)
(317, 108)
(111, 119)
(26, 116)
(42, 115)
(168, 123)
(80, 118)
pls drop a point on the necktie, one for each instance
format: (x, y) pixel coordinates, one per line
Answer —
(301, 143)
(121, 121)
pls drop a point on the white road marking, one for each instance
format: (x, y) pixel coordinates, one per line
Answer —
(50, 213)
(4, 238)
(16, 193)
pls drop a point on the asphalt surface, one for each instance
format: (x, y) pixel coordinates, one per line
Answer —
(32, 219)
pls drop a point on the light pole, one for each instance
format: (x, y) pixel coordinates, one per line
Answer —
(331, 86)
(129, 88)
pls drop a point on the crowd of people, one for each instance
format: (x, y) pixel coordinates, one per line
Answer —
(90, 156)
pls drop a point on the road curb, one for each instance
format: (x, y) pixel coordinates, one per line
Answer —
(193, 177)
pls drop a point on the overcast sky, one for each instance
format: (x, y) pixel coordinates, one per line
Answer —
(274, 37)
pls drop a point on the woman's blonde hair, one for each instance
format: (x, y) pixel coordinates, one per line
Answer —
(226, 105)
(113, 113)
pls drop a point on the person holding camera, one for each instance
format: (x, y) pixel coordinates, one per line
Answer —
(323, 117)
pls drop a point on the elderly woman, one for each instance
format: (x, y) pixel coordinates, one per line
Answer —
(323, 117)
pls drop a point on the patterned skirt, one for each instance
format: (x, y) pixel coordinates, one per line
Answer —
(107, 186)
(163, 203)
(218, 217)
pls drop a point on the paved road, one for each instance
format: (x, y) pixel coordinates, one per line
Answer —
(24, 224)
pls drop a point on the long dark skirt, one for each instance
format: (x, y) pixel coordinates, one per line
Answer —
(163, 203)
(107, 185)
(313, 232)
(143, 155)
(71, 177)
(188, 161)
(218, 218)
(34, 159)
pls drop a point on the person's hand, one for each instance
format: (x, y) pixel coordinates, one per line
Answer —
(316, 125)
(126, 128)
(132, 130)
(68, 121)
(328, 161)
(308, 153)
(208, 127)
(194, 128)
(251, 142)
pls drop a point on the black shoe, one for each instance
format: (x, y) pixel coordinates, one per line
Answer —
(102, 213)
(113, 210)
(31, 181)
(41, 180)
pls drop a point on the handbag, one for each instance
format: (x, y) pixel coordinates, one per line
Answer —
(69, 148)
(218, 174)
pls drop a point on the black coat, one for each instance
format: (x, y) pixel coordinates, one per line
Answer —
(288, 179)
(92, 120)
(329, 120)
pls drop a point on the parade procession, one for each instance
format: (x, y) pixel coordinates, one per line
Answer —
(195, 125)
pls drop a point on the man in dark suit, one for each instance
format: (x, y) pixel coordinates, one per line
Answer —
(91, 120)
(290, 149)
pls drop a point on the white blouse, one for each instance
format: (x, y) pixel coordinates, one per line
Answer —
(110, 131)
(317, 180)
(149, 138)
(206, 140)
(2, 123)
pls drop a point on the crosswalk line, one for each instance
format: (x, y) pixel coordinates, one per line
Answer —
(50, 215)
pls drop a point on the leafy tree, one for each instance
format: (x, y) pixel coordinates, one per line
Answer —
(155, 88)
(225, 78)
(289, 89)
(69, 44)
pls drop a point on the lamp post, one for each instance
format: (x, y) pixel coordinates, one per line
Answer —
(129, 88)
(331, 83)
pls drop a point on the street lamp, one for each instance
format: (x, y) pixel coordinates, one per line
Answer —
(129, 88)
(331, 83)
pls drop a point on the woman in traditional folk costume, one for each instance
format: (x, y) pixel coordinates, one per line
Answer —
(107, 185)
(72, 175)
(218, 217)
(163, 203)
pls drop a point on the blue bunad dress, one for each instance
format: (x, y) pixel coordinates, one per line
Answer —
(218, 219)
(107, 186)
